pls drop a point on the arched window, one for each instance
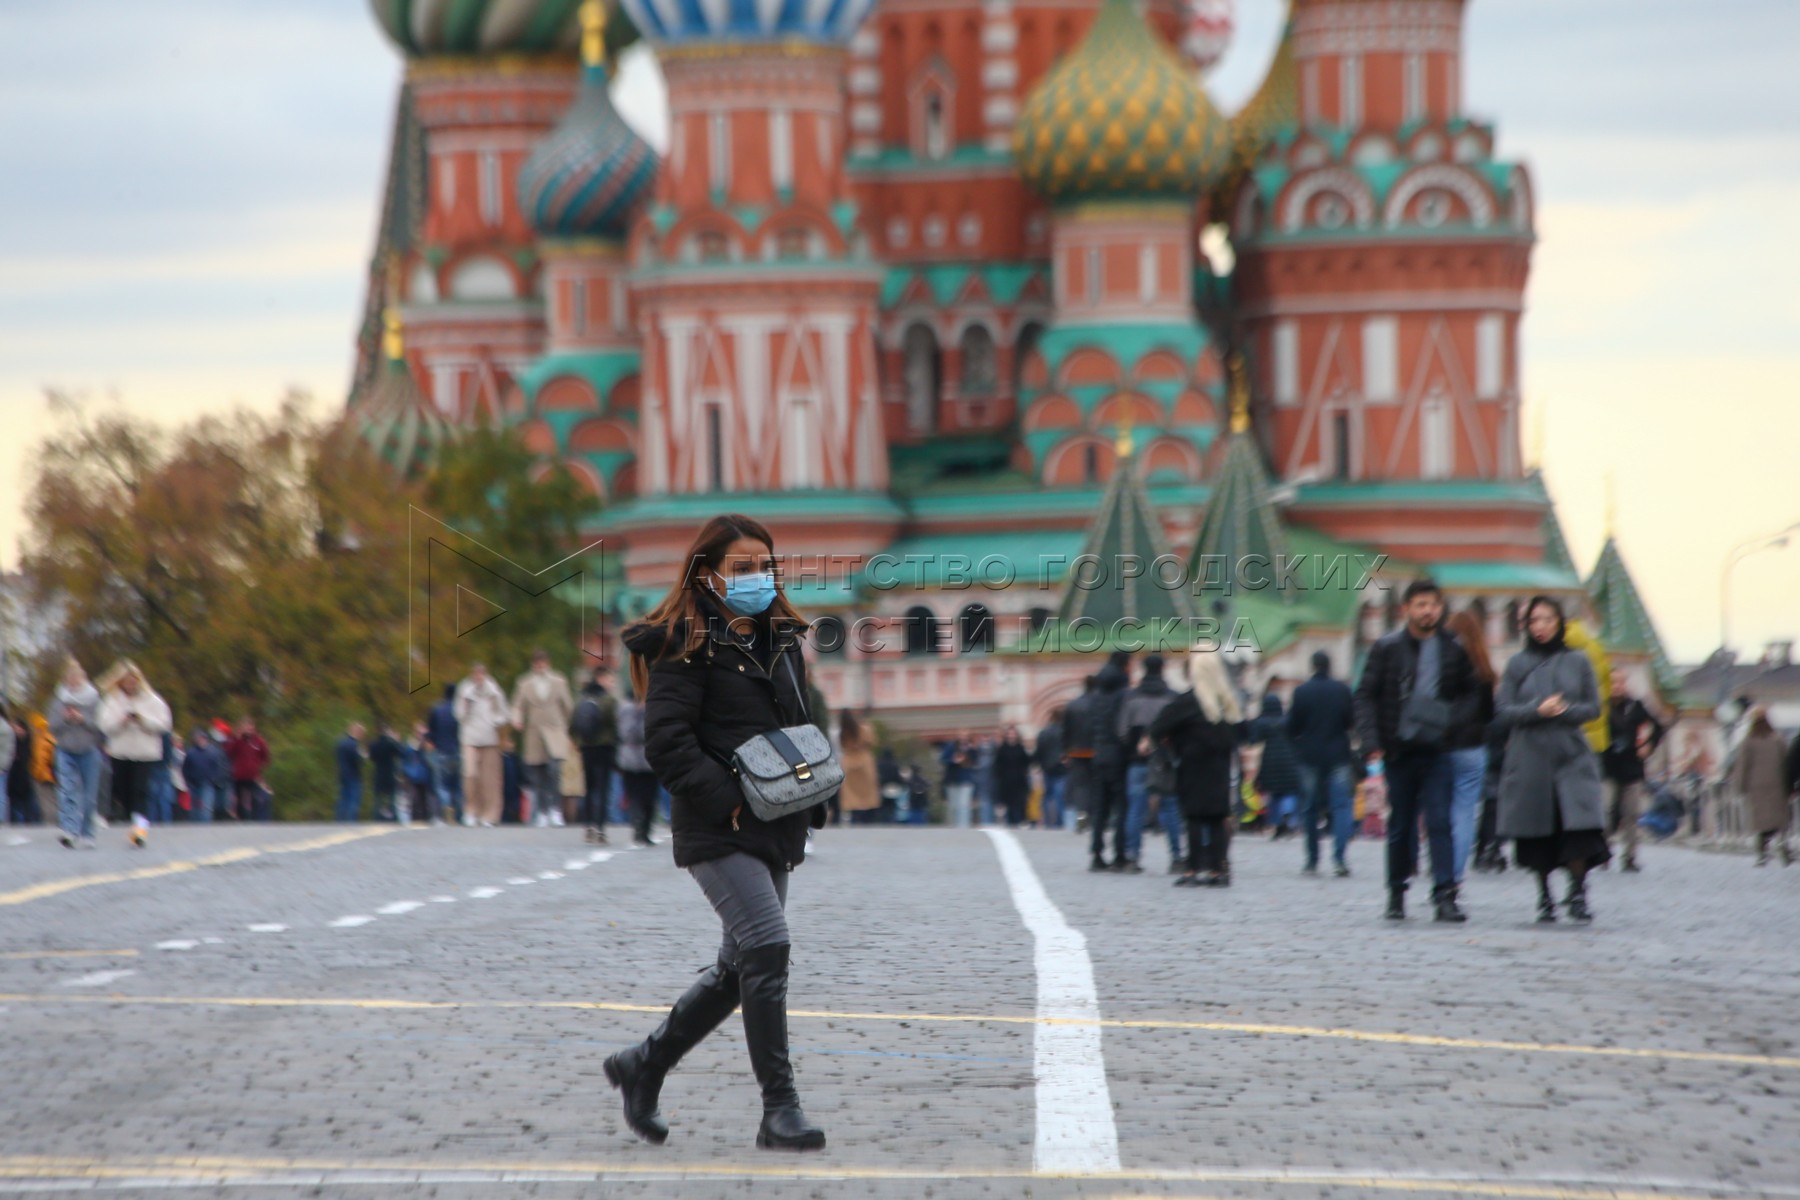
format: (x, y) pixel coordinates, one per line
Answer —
(1514, 630)
(924, 376)
(1029, 334)
(975, 629)
(921, 631)
(937, 126)
(980, 373)
(829, 636)
(1090, 463)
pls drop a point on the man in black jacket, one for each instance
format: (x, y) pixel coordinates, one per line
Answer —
(1416, 687)
(1634, 737)
(1109, 763)
(1141, 706)
(1078, 752)
(1319, 724)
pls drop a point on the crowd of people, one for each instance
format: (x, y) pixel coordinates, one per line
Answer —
(1433, 744)
(546, 755)
(114, 738)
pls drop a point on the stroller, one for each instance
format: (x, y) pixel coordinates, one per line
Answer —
(1666, 810)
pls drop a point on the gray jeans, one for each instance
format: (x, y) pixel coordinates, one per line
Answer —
(750, 897)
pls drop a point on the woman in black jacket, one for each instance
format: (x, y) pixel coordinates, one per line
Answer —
(1200, 728)
(1012, 776)
(718, 662)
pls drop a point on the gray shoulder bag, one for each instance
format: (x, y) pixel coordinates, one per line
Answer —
(786, 771)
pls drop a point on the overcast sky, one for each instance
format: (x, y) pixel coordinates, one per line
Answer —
(191, 185)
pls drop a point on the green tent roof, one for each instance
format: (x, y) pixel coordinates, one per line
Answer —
(1117, 579)
(1241, 529)
(1625, 624)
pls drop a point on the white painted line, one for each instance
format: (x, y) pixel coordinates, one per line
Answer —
(520, 881)
(16, 840)
(600, 856)
(350, 922)
(177, 944)
(269, 928)
(400, 907)
(575, 864)
(443, 899)
(97, 979)
(484, 893)
(550, 875)
(214, 941)
(1075, 1130)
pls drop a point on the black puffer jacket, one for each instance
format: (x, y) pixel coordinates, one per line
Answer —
(1203, 752)
(703, 705)
(1278, 775)
(1108, 699)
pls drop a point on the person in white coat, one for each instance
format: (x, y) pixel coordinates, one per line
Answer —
(133, 718)
(481, 713)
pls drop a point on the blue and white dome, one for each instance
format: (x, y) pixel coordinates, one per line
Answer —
(698, 22)
(585, 179)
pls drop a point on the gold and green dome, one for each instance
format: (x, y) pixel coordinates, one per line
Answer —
(1120, 116)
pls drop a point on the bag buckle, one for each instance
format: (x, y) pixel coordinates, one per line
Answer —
(803, 772)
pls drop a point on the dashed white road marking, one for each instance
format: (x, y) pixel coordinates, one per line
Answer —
(178, 944)
(550, 875)
(400, 907)
(97, 979)
(214, 941)
(350, 922)
(520, 880)
(600, 856)
(575, 864)
(484, 893)
(443, 899)
(271, 927)
(1075, 1130)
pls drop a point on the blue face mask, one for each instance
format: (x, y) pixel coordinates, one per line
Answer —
(747, 595)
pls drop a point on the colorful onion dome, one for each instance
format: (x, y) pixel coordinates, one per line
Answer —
(699, 22)
(424, 28)
(1120, 116)
(394, 418)
(584, 178)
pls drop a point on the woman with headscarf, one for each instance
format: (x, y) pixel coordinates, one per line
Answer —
(1200, 727)
(1550, 791)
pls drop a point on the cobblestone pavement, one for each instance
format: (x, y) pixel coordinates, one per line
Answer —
(287, 1011)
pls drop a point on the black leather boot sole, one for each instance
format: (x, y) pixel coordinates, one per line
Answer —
(639, 1072)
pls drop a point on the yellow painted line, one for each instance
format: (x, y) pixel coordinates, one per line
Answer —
(226, 1170)
(58, 887)
(15, 955)
(1296, 1031)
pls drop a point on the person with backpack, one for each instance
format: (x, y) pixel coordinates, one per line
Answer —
(594, 727)
(1142, 703)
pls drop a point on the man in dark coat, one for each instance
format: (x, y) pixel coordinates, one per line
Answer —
(1319, 724)
(1109, 763)
(1633, 736)
(1048, 754)
(1415, 687)
(445, 756)
(1078, 750)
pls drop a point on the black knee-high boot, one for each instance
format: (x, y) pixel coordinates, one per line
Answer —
(638, 1073)
(1546, 912)
(764, 979)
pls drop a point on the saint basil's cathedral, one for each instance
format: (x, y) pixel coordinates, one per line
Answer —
(1023, 349)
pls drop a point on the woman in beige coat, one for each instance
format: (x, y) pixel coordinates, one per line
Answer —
(541, 708)
(1761, 776)
(859, 799)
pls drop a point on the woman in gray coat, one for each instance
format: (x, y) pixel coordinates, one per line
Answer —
(1550, 791)
(1760, 775)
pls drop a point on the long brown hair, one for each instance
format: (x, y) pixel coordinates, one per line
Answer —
(851, 734)
(682, 604)
(1467, 628)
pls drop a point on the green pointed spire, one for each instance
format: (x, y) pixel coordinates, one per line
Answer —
(1241, 526)
(1625, 624)
(1118, 576)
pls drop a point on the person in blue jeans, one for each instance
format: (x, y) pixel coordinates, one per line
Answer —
(1468, 744)
(200, 770)
(350, 757)
(74, 723)
(1319, 725)
(1278, 772)
(444, 737)
(1141, 707)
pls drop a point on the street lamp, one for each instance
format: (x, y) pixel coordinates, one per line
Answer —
(1743, 550)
